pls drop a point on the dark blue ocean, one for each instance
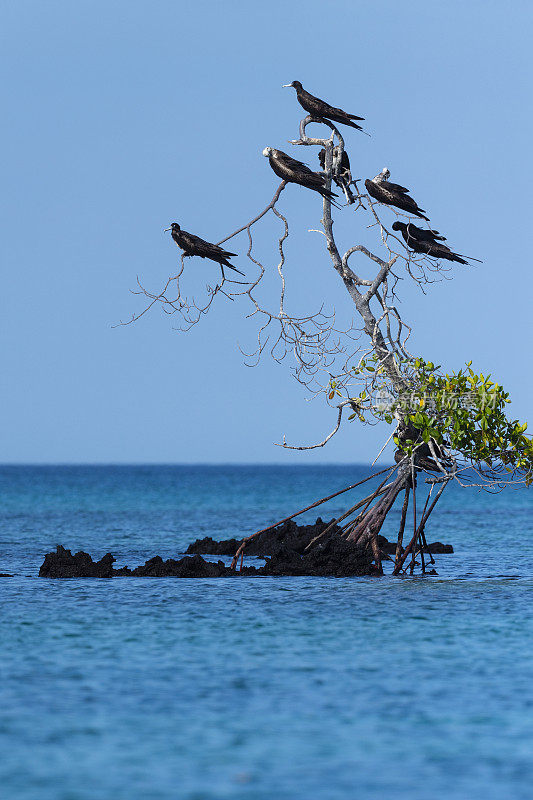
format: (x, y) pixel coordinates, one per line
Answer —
(258, 688)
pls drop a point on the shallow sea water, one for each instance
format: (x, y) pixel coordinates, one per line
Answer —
(257, 687)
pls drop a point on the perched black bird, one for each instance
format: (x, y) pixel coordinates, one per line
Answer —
(318, 108)
(341, 171)
(392, 194)
(342, 174)
(422, 241)
(194, 246)
(294, 171)
(345, 161)
(422, 234)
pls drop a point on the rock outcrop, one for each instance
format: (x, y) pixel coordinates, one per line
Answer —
(62, 564)
(292, 536)
(284, 549)
(434, 548)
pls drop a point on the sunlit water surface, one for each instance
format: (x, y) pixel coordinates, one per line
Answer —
(257, 688)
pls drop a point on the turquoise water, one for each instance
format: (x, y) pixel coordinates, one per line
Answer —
(257, 688)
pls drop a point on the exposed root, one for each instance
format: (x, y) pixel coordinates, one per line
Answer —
(363, 530)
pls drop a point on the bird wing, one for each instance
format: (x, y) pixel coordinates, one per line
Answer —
(320, 108)
(384, 193)
(438, 247)
(202, 248)
(407, 203)
(394, 187)
(332, 111)
(329, 111)
(423, 234)
(292, 164)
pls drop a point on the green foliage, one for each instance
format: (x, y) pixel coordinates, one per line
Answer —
(462, 410)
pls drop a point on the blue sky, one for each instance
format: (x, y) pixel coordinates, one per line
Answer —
(120, 117)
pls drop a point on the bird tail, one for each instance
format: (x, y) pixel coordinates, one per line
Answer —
(330, 196)
(419, 214)
(227, 264)
(352, 116)
(354, 125)
(479, 261)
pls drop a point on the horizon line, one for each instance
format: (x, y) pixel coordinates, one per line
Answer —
(186, 464)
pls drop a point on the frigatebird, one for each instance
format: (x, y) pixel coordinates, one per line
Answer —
(345, 161)
(293, 171)
(319, 108)
(422, 234)
(392, 194)
(194, 246)
(425, 242)
(342, 174)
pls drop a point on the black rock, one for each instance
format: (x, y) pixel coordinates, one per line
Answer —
(333, 556)
(271, 542)
(186, 567)
(330, 556)
(62, 564)
(385, 546)
(210, 547)
(436, 547)
(286, 553)
(284, 548)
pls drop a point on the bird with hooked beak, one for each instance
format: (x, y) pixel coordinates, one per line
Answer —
(427, 242)
(194, 246)
(319, 108)
(392, 194)
(293, 171)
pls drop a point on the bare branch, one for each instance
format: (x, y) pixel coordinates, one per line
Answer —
(320, 444)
